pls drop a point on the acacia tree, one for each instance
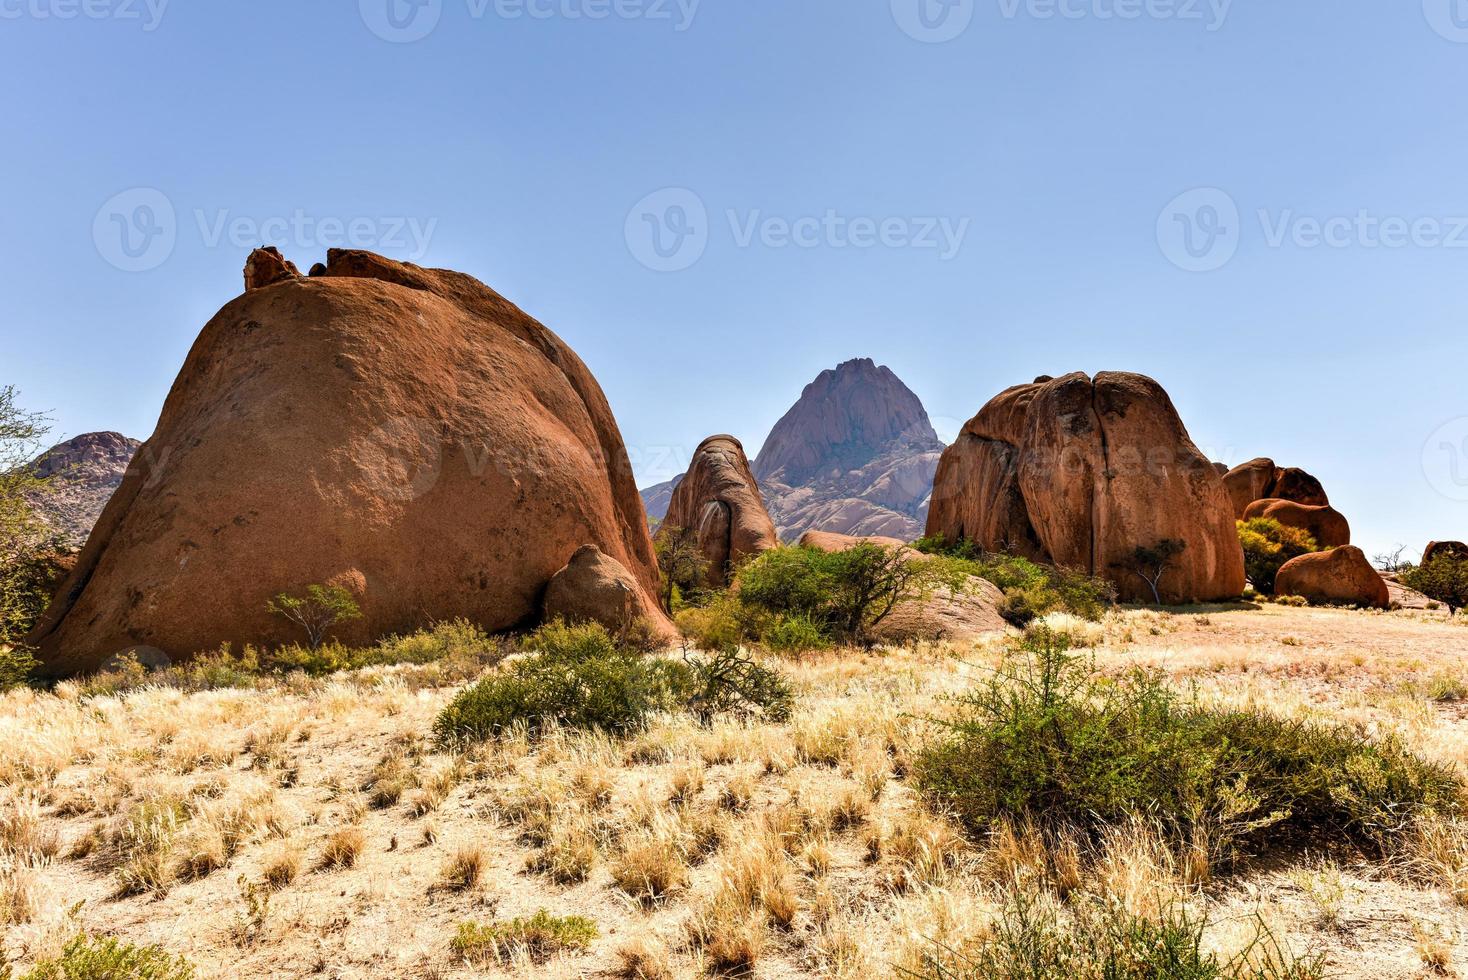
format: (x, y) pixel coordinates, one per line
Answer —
(321, 608)
(682, 564)
(1445, 579)
(23, 591)
(1151, 563)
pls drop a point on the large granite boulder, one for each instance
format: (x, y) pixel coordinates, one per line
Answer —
(1341, 576)
(407, 430)
(1084, 472)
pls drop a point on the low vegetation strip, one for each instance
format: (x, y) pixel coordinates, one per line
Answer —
(1048, 739)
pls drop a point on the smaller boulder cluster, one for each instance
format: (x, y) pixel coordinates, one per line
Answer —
(1336, 574)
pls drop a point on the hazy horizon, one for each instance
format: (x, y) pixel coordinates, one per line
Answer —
(1260, 206)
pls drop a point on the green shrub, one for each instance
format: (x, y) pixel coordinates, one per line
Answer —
(1048, 739)
(722, 624)
(793, 633)
(1031, 589)
(541, 936)
(1034, 938)
(1444, 579)
(85, 958)
(578, 677)
(1267, 545)
(732, 682)
(844, 594)
(16, 666)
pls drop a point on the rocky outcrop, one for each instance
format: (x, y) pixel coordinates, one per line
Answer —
(1082, 472)
(1261, 479)
(81, 475)
(403, 427)
(595, 588)
(718, 502)
(1435, 549)
(854, 455)
(1326, 525)
(947, 614)
(1341, 576)
(266, 267)
(829, 541)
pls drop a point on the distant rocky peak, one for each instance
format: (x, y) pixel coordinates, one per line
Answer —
(106, 449)
(847, 417)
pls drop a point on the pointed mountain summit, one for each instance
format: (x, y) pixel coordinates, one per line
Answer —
(855, 455)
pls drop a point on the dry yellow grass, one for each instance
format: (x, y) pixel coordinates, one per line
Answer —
(311, 827)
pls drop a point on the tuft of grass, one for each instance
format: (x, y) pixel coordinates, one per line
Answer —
(343, 848)
(1047, 739)
(283, 864)
(541, 936)
(1035, 937)
(651, 866)
(464, 868)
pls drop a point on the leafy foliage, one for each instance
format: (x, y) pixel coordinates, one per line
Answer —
(1268, 544)
(844, 594)
(578, 677)
(1034, 938)
(542, 935)
(681, 563)
(86, 958)
(1152, 562)
(1048, 739)
(16, 665)
(321, 608)
(1445, 579)
(1031, 590)
(24, 585)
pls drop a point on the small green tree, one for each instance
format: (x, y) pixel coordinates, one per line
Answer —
(1445, 579)
(682, 564)
(23, 536)
(1151, 563)
(847, 593)
(1267, 545)
(321, 608)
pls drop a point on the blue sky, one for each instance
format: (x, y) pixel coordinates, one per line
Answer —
(1261, 204)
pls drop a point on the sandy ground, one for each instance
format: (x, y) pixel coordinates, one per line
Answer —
(260, 780)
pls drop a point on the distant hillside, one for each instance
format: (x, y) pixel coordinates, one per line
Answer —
(855, 455)
(82, 474)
